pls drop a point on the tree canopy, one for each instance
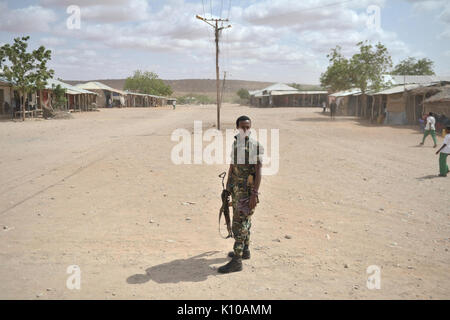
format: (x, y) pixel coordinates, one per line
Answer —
(59, 98)
(337, 77)
(147, 82)
(364, 70)
(243, 94)
(26, 71)
(369, 65)
(413, 67)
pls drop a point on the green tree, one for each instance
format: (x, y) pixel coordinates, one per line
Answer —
(337, 77)
(27, 72)
(364, 70)
(147, 82)
(413, 67)
(368, 66)
(243, 94)
(59, 96)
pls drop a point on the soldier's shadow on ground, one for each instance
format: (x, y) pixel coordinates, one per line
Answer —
(193, 269)
(431, 176)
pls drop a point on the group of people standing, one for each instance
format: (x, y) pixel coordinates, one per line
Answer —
(333, 108)
(444, 150)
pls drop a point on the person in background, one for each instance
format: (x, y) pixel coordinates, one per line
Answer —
(174, 104)
(422, 122)
(324, 106)
(444, 152)
(333, 107)
(430, 129)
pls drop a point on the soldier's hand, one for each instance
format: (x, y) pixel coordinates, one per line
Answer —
(252, 203)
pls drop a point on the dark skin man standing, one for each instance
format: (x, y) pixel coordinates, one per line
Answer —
(244, 179)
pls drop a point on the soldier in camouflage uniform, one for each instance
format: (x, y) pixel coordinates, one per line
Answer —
(244, 178)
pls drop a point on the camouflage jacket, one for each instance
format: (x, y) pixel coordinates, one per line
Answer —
(245, 154)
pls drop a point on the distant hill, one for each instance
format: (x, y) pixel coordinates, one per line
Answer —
(197, 86)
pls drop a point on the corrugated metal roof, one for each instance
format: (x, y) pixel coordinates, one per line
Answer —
(279, 87)
(69, 88)
(2, 79)
(146, 95)
(50, 82)
(346, 93)
(136, 93)
(314, 92)
(261, 94)
(401, 88)
(282, 93)
(402, 79)
(94, 85)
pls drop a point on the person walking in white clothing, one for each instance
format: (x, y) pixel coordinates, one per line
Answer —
(430, 129)
(444, 152)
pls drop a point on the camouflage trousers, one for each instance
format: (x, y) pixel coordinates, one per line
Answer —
(241, 228)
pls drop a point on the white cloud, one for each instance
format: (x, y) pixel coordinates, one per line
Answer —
(133, 10)
(28, 19)
(81, 3)
(52, 41)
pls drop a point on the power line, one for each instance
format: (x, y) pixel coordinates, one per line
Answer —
(229, 8)
(211, 10)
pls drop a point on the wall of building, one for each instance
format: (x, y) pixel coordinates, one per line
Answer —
(438, 107)
(5, 100)
(395, 103)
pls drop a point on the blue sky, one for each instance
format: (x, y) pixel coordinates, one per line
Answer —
(270, 40)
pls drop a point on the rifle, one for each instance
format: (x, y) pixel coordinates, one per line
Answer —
(225, 210)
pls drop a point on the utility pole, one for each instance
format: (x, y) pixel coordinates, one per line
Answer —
(215, 24)
(223, 86)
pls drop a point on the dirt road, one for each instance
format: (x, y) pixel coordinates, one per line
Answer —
(100, 191)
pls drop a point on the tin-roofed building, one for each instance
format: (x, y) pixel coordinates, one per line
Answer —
(282, 95)
(107, 96)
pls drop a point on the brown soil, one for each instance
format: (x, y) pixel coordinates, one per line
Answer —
(99, 191)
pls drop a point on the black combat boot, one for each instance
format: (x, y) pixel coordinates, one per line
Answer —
(233, 266)
(245, 254)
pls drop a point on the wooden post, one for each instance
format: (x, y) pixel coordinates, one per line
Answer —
(380, 103)
(373, 104)
(415, 108)
(423, 103)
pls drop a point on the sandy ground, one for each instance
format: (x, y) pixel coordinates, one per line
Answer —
(100, 191)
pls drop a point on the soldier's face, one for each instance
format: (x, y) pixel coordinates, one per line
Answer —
(245, 125)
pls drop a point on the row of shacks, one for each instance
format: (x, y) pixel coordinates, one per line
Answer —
(110, 97)
(80, 97)
(405, 100)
